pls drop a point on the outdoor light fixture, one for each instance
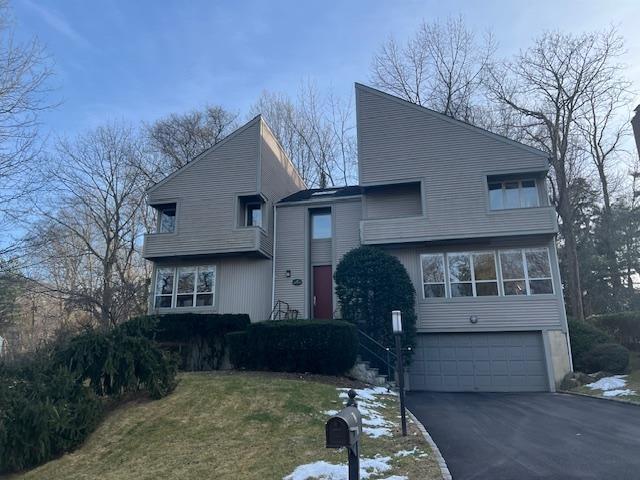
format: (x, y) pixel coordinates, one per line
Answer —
(287, 273)
(396, 319)
(396, 322)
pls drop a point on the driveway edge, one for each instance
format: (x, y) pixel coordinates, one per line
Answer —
(606, 399)
(444, 470)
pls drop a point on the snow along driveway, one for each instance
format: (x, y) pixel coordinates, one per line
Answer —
(531, 435)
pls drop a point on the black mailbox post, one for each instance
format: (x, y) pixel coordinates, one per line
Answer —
(344, 430)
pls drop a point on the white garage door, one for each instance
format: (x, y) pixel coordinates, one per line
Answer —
(479, 362)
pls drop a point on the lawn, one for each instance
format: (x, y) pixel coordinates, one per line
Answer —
(632, 382)
(232, 425)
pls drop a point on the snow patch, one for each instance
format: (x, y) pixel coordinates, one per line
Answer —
(395, 477)
(331, 471)
(612, 386)
(406, 453)
(373, 423)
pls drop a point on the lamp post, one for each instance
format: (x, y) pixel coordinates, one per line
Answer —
(396, 320)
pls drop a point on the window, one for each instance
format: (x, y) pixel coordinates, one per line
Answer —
(254, 215)
(526, 272)
(194, 286)
(167, 218)
(433, 283)
(164, 287)
(513, 194)
(476, 274)
(320, 224)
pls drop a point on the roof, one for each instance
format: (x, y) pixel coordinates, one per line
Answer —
(323, 193)
(455, 121)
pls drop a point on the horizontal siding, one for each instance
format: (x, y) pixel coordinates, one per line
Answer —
(393, 201)
(206, 195)
(243, 285)
(346, 216)
(435, 226)
(494, 313)
(398, 141)
(290, 255)
(321, 252)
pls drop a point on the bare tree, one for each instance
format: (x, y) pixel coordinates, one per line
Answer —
(179, 138)
(89, 238)
(441, 67)
(549, 86)
(24, 70)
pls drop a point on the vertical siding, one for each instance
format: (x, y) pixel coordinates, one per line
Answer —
(393, 201)
(206, 195)
(291, 241)
(494, 313)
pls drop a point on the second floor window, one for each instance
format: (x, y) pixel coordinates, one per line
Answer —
(320, 224)
(167, 218)
(254, 215)
(513, 194)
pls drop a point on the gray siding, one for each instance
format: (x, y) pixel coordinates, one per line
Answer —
(537, 312)
(393, 201)
(243, 285)
(346, 217)
(398, 141)
(321, 252)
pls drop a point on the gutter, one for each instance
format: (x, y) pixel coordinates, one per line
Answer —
(273, 257)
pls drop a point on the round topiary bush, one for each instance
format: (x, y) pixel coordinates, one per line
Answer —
(370, 284)
(607, 357)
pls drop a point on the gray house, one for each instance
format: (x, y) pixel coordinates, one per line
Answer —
(466, 212)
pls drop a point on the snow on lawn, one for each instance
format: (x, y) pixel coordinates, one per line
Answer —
(331, 471)
(612, 386)
(373, 423)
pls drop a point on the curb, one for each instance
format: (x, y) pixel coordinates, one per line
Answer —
(444, 470)
(607, 399)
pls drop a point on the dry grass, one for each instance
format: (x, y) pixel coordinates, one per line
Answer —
(240, 426)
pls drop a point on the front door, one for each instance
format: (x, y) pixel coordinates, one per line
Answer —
(322, 292)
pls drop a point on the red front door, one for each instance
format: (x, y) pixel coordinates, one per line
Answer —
(322, 292)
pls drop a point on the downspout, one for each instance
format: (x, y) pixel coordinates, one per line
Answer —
(273, 257)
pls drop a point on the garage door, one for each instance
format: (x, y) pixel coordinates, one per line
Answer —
(479, 362)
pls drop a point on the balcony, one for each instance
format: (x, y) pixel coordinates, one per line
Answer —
(445, 226)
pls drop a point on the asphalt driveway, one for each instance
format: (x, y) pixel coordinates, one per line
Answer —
(519, 436)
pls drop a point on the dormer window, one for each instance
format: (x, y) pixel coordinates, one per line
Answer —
(166, 218)
(254, 215)
(507, 194)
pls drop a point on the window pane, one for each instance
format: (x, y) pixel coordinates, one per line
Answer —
(321, 225)
(461, 290)
(163, 301)
(484, 265)
(186, 280)
(512, 195)
(487, 289)
(495, 196)
(164, 281)
(540, 286)
(514, 288)
(511, 263)
(254, 215)
(538, 263)
(167, 220)
(184, 301)
(529, 194)
(434, 290)
(459, 267)
(206, 279)
(432, 268)
(204, 300)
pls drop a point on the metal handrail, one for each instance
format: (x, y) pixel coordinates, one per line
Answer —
(377, 343)
(277, 309)
(385, 356)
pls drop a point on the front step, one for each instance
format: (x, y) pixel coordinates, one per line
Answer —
(365, 373)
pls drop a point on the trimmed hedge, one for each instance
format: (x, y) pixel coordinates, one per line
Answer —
(315, 346)
(594, 351)
(623, 326)
(197, 338)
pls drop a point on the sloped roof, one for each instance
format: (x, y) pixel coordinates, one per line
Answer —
(323, 193)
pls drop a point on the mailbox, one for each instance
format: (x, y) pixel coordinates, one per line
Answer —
(344, 429)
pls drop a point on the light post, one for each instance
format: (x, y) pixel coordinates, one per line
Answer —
(396, 320)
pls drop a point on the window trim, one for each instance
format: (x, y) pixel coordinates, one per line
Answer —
(503, 190)
(499, 277)
(156, 206)
(248, 209)
(174, 291)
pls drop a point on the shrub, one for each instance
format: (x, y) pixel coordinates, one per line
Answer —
(623, 326)
(199, 339)
(584, 337)
(607, 357)
(238, 352)
(370, 283)
(315, 346)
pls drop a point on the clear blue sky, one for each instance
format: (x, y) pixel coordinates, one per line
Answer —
(139, 60)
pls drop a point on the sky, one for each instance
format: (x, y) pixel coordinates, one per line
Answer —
(141, 60)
